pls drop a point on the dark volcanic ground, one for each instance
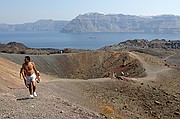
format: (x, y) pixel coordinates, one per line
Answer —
(150, 88)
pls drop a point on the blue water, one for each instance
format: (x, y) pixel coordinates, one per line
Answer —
(76, 40)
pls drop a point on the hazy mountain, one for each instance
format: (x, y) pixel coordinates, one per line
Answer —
(95, 22)
(41, 25)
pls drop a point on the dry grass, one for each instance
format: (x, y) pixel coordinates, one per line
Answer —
(107, 111)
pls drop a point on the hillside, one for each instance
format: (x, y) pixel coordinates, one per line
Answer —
(96, 22)
(9, 75)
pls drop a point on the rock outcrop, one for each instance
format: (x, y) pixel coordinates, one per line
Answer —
(19, 48)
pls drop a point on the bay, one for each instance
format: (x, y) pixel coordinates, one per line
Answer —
(76, 40)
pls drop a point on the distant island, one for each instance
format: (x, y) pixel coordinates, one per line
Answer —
(40, 25)
(96, 22)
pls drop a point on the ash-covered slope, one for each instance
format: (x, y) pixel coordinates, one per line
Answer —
(154, 96)
(9, 77)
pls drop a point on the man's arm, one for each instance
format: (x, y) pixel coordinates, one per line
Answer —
(22, 72)
(34, 67)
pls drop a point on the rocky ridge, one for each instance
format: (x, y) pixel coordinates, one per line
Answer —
(145, 44)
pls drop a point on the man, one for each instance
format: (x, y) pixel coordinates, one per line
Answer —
(30, 75)
(24, 73)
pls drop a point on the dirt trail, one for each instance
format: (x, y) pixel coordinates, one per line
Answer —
(151, 70)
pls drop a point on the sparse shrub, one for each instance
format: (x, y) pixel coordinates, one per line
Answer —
(107, 111)
(119, 117)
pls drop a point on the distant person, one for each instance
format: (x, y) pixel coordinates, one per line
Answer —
(29, 73)
(114, 74)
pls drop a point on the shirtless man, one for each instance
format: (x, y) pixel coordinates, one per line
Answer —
(31, 73)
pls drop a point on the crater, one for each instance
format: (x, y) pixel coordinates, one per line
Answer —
(86, 65)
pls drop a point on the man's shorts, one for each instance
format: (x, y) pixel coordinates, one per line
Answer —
(30, 78)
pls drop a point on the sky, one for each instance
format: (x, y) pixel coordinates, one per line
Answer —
(23, 11)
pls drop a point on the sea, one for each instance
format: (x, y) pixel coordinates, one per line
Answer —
(87, 41)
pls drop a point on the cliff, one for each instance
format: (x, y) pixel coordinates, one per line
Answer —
(95, 22)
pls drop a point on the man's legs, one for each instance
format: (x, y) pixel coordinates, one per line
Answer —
(30, 88)
(34, 86)
(29, 85)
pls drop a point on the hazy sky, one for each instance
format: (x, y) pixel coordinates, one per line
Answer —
(22, 11)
